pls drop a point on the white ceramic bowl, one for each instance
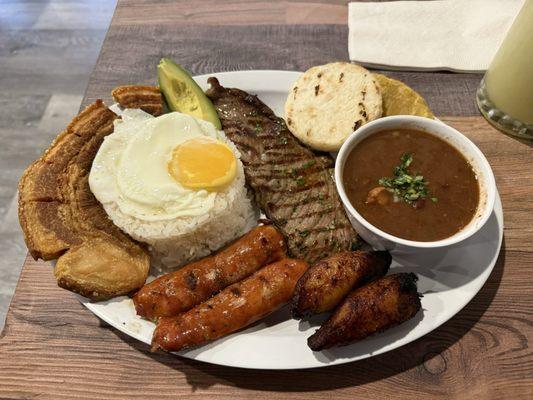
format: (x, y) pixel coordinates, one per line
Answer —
(403, 250)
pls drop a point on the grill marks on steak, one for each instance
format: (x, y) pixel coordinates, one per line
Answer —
(292, 185)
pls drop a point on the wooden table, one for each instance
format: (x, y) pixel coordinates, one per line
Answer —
(52, 347)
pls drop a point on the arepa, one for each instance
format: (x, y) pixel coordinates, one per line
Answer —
(328, 102)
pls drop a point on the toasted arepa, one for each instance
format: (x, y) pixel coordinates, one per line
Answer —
(328, 102)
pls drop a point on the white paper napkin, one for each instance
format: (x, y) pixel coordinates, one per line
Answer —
(455, 35)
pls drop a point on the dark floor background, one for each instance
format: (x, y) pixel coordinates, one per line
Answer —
(47, 51)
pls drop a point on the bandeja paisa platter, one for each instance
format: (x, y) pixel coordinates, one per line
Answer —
(257, 301)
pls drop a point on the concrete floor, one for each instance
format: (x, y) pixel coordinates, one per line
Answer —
(47, 51)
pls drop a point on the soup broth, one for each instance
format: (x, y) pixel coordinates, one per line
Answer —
(447, 202)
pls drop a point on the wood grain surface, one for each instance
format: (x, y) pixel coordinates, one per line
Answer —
(131, 53)
(53, 348)
(243, 12)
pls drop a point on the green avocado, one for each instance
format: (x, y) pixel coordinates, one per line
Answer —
(183, 94)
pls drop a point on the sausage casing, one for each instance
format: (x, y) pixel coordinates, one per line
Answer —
(328, 281)
(235, 307)
(181, 290)
(381, 304)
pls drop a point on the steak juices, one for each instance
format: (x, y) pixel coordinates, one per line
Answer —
(411, 184)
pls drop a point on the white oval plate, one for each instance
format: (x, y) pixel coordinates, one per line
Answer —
(279, 342)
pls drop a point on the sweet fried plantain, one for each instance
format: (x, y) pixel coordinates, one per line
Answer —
(327, 282)
(381, 304)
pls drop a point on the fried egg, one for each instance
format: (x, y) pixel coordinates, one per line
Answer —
(203, 163)
(162, 168)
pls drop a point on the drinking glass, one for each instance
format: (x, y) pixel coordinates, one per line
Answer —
(505, 95)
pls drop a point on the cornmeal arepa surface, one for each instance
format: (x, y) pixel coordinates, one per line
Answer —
(328, 102)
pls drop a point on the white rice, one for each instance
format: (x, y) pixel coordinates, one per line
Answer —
(175, 242)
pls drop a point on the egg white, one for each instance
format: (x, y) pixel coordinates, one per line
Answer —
(130, 168)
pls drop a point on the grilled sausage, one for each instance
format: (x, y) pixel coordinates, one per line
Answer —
(327, 282)
(235, 307)
(181, 290)
(381, 304)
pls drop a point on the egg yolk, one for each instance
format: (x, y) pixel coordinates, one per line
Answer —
(203, 163)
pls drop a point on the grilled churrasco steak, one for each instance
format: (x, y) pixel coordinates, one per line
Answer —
(292, 185)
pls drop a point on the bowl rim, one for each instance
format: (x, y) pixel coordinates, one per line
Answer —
(470, 149)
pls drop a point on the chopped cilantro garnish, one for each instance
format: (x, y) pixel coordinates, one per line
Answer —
(304, 233)
(309, 164)
(405, 186)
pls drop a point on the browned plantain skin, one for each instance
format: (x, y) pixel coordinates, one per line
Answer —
(381, 304)
(327, 282)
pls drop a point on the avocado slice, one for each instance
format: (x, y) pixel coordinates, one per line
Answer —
(183, 94)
